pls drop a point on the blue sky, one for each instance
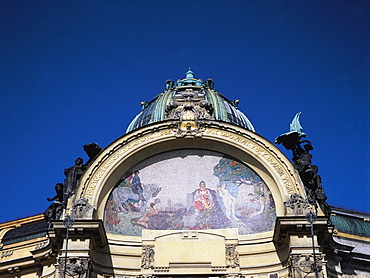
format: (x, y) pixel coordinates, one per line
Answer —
(75, 72)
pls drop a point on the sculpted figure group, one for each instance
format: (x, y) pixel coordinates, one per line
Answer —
(302, 162)
(67, 189)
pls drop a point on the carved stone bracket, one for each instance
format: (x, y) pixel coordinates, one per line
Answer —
(298, 204)
(147, 257)
(232, 256)
(75, 267)
(302, 265)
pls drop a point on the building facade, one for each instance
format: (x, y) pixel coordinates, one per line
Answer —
(191, 190)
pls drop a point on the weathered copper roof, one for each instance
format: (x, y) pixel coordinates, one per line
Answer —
(351, 225)
(224, 109)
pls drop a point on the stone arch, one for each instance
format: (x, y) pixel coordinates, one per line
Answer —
(248, 147)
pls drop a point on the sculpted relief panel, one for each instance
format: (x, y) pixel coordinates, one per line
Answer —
(190, 190)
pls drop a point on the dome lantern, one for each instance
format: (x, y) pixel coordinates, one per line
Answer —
(193, 99)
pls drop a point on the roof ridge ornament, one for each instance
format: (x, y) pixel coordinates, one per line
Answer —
(190, 91)
(189, 80)
(189, 74)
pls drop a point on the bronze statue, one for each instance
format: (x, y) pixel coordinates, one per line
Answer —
(73, 175)
(302, 162)
(54, 211)
(92, 150)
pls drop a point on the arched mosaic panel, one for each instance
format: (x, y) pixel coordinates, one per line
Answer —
(190, 190)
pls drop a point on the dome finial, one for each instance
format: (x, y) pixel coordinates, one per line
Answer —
(189, 74)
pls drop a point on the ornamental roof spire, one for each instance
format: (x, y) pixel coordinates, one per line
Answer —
(189, 74)
(194, 98)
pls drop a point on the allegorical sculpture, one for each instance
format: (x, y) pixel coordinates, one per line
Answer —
(65, 190)
(73, 175)
(54, 211)
(302, 161)
(92, 150)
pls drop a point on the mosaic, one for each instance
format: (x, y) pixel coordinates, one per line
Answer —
(190, 189)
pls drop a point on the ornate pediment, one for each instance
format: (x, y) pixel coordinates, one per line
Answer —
(189, 107)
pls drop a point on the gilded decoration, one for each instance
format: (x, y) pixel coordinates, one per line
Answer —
(190, 189)
(189, 107)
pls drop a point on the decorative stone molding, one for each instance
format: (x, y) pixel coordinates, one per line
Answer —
(188, 108)
(258, 148)
(75, 267)
(218, 269)
(298, 204)
(7, 254)
(82, 209)
(232, 255)
(189, 128)
(41, 245)
(302, 265)
(15, 269)
(147, 258)
(161, 269)
(233, 276)
(132, 144)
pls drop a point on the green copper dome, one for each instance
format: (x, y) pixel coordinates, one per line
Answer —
(181, 95)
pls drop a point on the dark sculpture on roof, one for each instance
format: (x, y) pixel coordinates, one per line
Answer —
(92, 150)
(54, 211)
(59, 193)
(73, 175)
(302, 162)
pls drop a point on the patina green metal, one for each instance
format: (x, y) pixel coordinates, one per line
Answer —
(351, 225)
(224, 109)
(295, 125)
